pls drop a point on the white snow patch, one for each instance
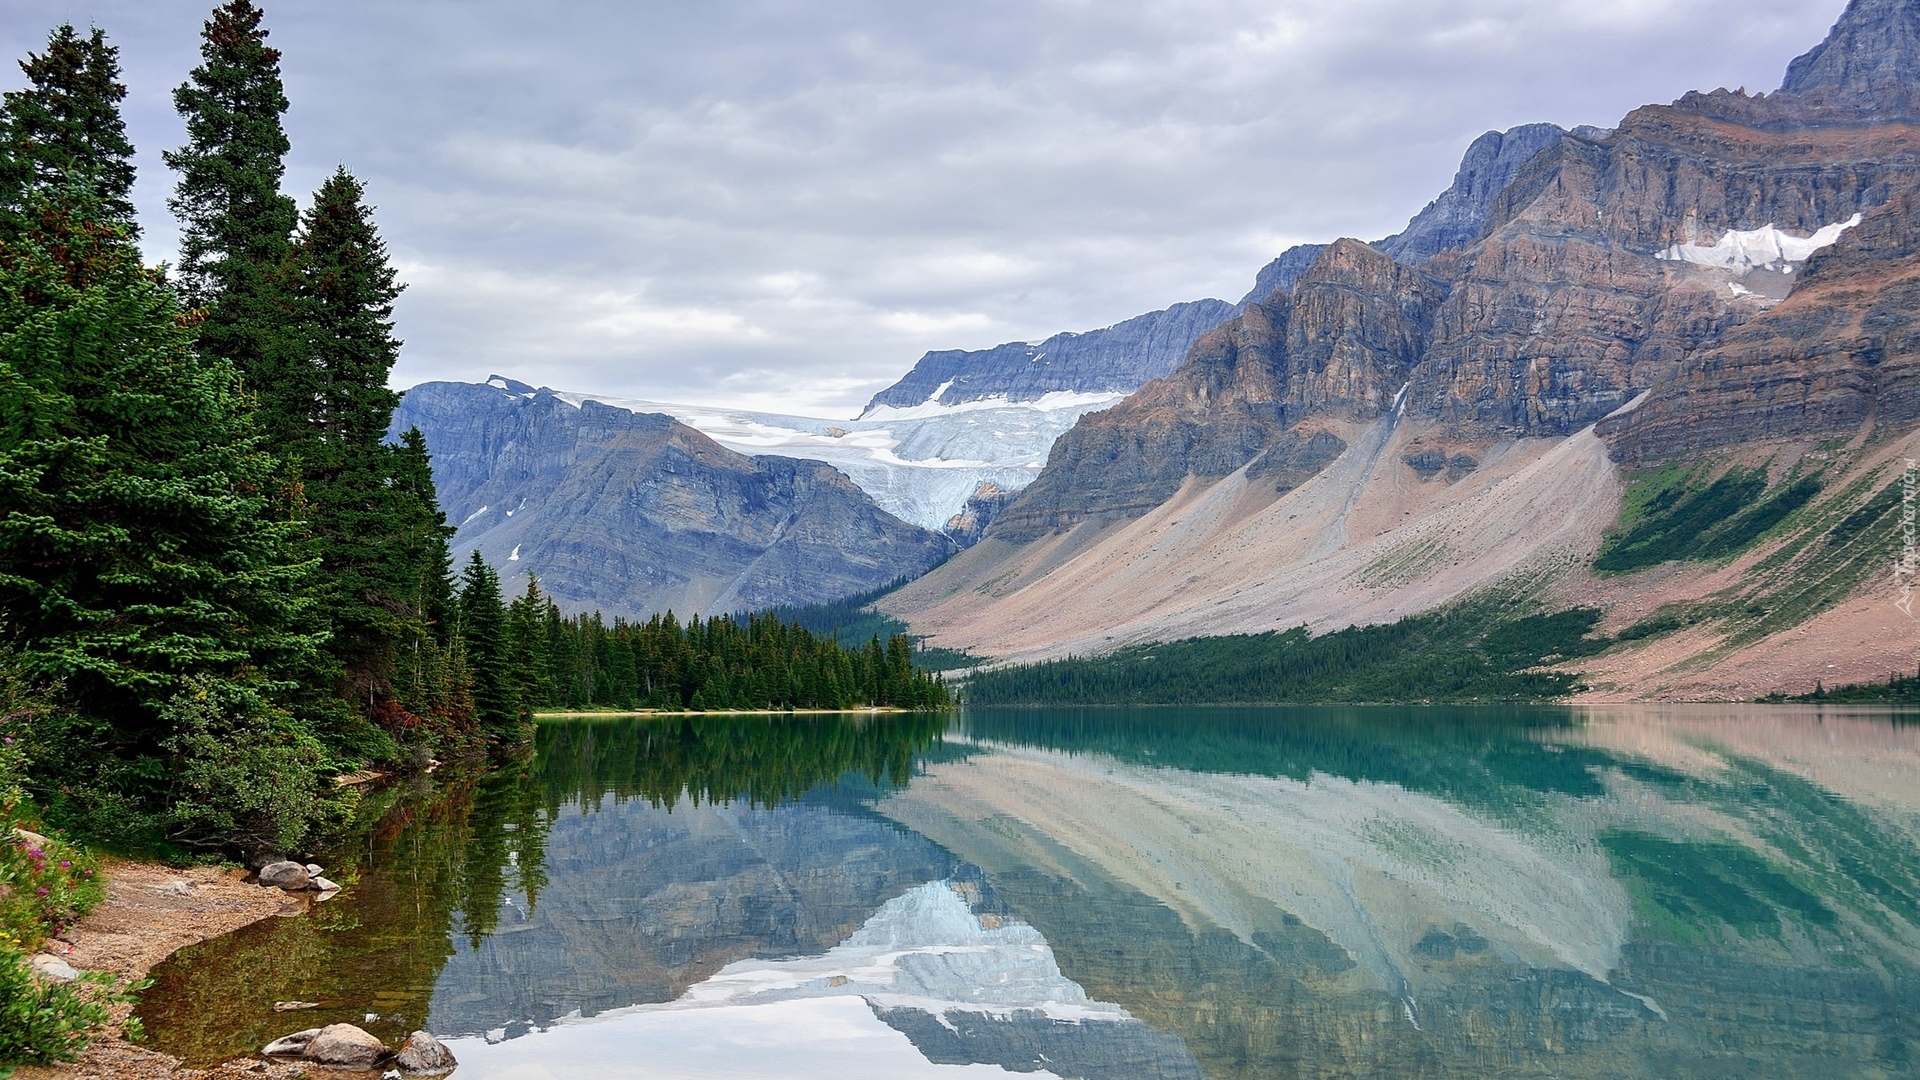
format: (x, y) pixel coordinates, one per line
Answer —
(1766, 247)
(515, 557)
(473, 515)
(937, 391)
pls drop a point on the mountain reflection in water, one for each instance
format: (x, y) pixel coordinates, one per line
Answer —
(1725, 891)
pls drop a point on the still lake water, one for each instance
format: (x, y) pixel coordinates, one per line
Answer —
(1221, 893)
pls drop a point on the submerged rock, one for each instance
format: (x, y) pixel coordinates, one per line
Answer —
(422, 1054)
(290, 876)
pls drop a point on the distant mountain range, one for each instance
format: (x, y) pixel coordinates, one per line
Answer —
(944, 449)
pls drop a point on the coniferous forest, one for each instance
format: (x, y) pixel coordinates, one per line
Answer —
(221, 584)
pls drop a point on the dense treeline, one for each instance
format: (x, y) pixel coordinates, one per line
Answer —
(1469, 652)
(756, 662)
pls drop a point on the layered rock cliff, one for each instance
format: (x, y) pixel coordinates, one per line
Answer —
(634, 513)
(1340, 346)
(1839, 355)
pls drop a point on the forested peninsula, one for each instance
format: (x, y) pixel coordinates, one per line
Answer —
(221, 586)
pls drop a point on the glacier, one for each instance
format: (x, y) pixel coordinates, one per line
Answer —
(920, 463)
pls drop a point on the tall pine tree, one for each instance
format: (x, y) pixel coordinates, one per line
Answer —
(370, 507)
(236, 227)
(66, 127)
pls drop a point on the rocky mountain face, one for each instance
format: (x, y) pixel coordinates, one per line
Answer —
(1839, 355)
(1569, 302)
(635, 513)
(1281, 274)
(1867, 64)
(1383, 435)
(1458, 217)
(969, 526)
(1116, 359)
(1339, 346)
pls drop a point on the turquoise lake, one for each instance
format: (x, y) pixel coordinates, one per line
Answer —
(1634, 891)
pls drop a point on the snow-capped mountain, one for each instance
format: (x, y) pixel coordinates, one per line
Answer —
(920, 463)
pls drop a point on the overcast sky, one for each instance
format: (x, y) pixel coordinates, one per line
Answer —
(782, 204)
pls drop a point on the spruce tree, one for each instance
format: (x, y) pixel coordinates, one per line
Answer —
(66, 127)
(372, 531)
(483, 630)
(530, 650)
(236, 226)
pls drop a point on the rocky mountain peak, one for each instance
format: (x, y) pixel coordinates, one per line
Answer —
(1871, 55)
(1458, 216)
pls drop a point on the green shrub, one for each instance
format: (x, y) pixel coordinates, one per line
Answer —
(243, 771)
(43, 1021)
(44, 888)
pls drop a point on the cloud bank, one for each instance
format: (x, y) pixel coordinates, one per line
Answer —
(781, 205)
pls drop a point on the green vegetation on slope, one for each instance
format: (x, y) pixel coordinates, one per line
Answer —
(1473, 651)
(1897, 690)
(1671, 516)
(1824, 546)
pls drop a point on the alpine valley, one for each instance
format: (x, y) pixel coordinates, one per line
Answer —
(1666, 372)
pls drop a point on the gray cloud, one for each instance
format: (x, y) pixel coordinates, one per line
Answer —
(782, 204)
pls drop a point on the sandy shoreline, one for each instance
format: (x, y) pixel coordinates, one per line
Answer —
(152, 911)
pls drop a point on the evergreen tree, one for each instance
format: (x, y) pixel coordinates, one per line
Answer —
(138, 561)
(236, 226)
(483, 630)
(371, 530)
(527, 643)
(66, 126)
